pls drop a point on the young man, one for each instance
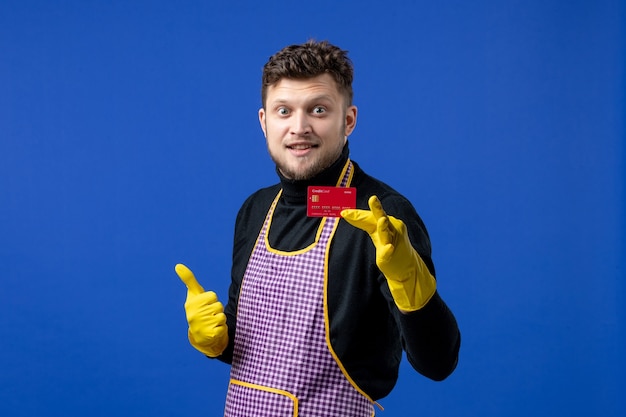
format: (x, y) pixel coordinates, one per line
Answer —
(320, 308)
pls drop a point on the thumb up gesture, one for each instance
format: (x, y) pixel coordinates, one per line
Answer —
(208, 332)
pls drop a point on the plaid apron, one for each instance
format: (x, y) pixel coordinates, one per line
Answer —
(282, 365)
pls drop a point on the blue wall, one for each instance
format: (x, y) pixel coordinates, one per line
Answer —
(129, 139)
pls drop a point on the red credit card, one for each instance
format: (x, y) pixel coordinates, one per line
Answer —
(329, 201)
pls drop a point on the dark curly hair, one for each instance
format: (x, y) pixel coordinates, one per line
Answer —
(307, 61)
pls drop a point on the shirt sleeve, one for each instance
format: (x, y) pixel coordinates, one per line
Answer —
(430, 336)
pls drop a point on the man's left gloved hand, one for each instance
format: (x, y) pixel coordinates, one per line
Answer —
(409, 280)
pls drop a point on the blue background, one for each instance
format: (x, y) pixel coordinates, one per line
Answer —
(129, 139)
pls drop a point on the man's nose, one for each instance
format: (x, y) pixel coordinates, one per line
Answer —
(301, 124)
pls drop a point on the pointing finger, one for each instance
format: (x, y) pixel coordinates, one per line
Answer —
(385, 228)
(376, 207)
(385, 234)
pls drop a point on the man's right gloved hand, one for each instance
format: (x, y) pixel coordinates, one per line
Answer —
(208, 332)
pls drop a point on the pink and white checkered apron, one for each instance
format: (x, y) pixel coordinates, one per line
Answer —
(282, 365)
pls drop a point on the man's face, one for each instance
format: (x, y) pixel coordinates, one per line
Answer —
(306, 124)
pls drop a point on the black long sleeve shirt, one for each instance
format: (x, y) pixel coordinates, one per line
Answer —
(367, 331)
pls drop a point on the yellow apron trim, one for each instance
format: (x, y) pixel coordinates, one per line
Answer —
(343, 172)
(272, 390)
(319, 229)
(326, 317)
(286, 253)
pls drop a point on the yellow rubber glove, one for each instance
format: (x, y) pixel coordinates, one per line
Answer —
(208, 332)
(409, 280)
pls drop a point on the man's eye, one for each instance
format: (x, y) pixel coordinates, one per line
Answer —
(283, 111)
(319, 110)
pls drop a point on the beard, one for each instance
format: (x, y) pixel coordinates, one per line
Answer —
(309, 166)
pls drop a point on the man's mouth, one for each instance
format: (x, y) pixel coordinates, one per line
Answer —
(301, 150)
(301, 146)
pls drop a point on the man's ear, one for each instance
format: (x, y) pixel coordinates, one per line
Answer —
(351, 114)
(262, 120)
